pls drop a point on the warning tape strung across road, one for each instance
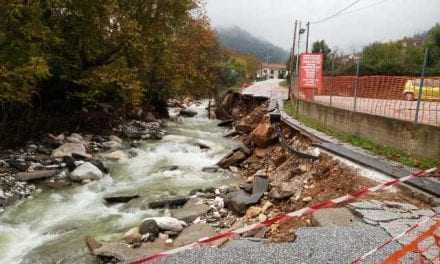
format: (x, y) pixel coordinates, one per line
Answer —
(284, 217)
(409, 230)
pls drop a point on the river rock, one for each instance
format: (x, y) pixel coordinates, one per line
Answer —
(92, 244)
(208, 191)
(123, 253)
(70, 162)
(115, 139)
(203, 146)
(36, 175)
(132, 236)
(72, 150)
(121, 197)
(168, 223)
(245, 149)
(86, 171)
(231, 133)
(190, 211)
(263, 134)
(169, 202)
(149, 227)
(115, 155)
(188, 113)
(231, 159)
(112, 145)
(239, 201)
(100, 165)
(210, 169)
(170, 168)
(283, 191)
(141, 130)
(20, 165)
(55, 141)
(226, 123)
(75, 138)
(193, 233)
(247, 187)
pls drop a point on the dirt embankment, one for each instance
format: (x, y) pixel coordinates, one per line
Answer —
(293, 182)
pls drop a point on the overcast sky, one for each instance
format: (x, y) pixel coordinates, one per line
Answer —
(273, 19)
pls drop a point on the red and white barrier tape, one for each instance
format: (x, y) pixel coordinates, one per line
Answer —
(409, 230)
(284, 217)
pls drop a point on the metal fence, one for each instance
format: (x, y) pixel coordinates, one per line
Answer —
(413, 97)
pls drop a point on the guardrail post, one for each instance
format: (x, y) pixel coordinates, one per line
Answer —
(422, 82)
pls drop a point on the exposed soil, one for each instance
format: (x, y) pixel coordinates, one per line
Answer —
(300, 182)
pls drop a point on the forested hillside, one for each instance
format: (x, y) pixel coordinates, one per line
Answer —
(242, 41)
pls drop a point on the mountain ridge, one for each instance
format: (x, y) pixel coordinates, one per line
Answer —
(242, 41)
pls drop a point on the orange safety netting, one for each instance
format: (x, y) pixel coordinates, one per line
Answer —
(414, 247)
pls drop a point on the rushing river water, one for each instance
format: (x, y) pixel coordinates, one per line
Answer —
(51, 226)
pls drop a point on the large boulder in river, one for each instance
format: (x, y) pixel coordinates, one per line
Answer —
(86, 171)
(263, 134)
(231, 159)
(188, 112)
(69, 149)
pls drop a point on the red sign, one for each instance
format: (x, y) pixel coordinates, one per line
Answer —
(310, 74)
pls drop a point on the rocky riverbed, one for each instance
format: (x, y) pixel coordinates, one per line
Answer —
(57, 191)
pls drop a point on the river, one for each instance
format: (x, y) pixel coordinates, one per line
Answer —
(50, 227)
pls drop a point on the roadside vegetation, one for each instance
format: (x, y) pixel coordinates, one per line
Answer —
(364, 143)
(72, 65)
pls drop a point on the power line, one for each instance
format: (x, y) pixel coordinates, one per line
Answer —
(365, 7)
(337, 13)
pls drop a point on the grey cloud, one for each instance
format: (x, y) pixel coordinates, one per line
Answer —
(273, 19)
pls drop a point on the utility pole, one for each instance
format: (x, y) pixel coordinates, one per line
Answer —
(308, 35)
(299, 49)
(292, 58)
(297, 67)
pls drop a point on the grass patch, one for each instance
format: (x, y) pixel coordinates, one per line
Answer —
(364, 143)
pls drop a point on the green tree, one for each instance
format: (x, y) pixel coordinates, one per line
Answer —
(322, 47)
(23, 63)
(433, 43)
